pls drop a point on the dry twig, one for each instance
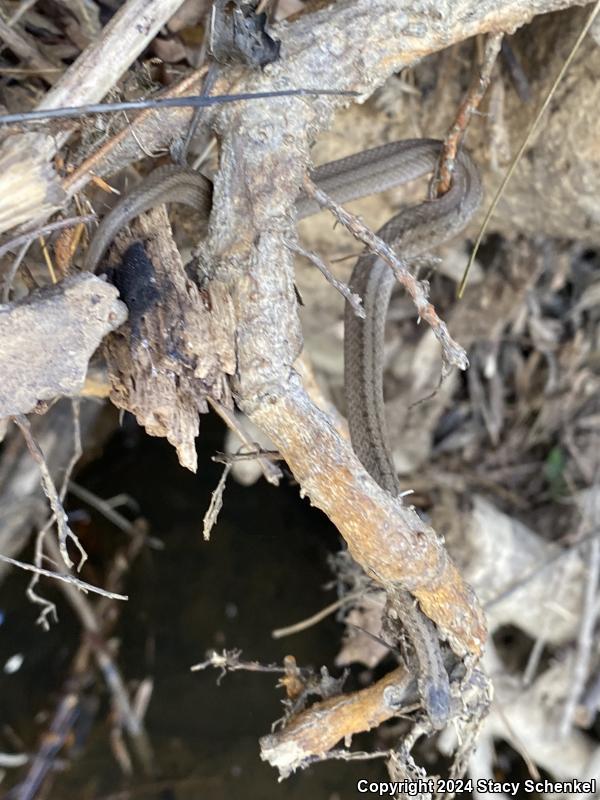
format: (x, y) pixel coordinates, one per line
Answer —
(216, 504)
(85, 587)
(49, 608)
(467, 108)
(348, 295)
(43, 231)
(453, 353)
(271, 471)
(64, 531)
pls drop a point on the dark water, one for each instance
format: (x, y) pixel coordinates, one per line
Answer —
(264, 567)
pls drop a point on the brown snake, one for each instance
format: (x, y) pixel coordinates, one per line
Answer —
(414, 231)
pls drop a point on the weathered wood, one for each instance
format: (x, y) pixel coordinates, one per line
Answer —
(47, 340)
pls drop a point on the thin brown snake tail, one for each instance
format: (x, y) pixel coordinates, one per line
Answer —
(413, 232)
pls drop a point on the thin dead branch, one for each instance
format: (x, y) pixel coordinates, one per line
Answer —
(216, 504)
(271, 471)
(44, 230)
(348, 295)
(467, 108)
(297, 627)
(65, 533)
(85, 587)
(49, 608)
(230, 661)
(453, 353)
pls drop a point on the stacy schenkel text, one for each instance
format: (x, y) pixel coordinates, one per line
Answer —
(510, 788)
